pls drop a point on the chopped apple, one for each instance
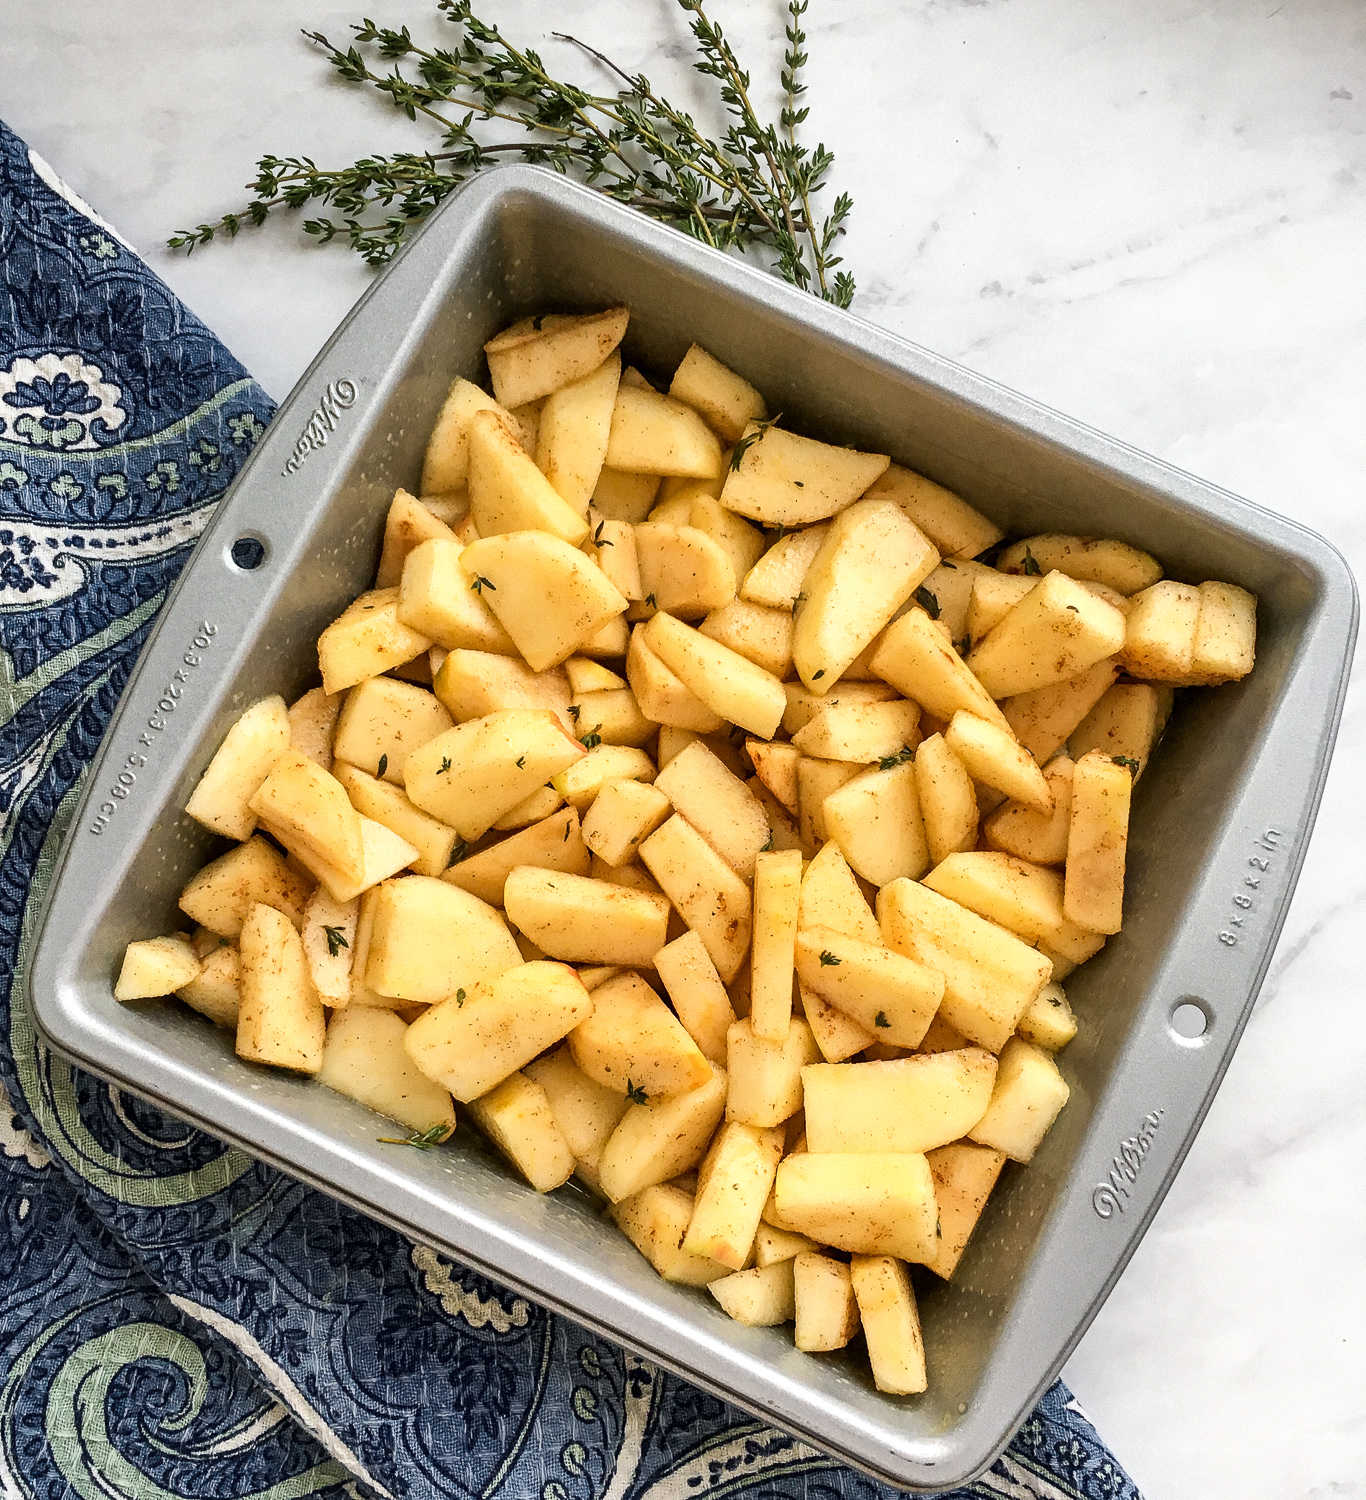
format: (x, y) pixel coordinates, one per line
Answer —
(280, 1019)
(948, 801)
(1059, 629)
(470, 1043)
(329, 936)
(727, 401)
(776, 767)
(871, 561)
(655, 1221)
(780, 479)
(991, 976)
(539, 355)
(918, 659)
(912, 1104)
(1029, 1095)
(367, 640)
(571, 437)
(472, 774)
(517, 1117)
(508, 493)
(222, 795)
(875, 819)
(717, 804)
(994, 756)
(633, 1042)
(548, 597)
(587, 921)
(382, 720)
(699, 997)
(473, 683)
(312, 722)
(954, 526)
(682, 570)
(220, 895)
(661, 1138)
(831, 898)
(891, 1324)
(364, 1058)
(661, 694)
(154, 967)
(654, 434)
(890, 995)
(408, 523)
(777, 898)
(311, 814)
(435, 598)
(870, 1203)
(705, 891)
(1087, 559)
(855, 731)
(763, 636)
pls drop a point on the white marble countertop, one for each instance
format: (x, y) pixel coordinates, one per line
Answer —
(1152, 216)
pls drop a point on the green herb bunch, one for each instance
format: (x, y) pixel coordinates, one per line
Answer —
(754, 187)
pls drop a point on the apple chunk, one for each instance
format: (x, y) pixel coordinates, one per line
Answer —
(869, 564)
(780, 479)
(634, 1043)
(222, 796)
(364, 1057)
(280, 1019)
(469, 1043)
(428, 939)
(536, 356)
(571, 441)
(728, 683)
(654, 434)
(153, 967)
(472, 774)
(909, 1104)
(309, 811)
(549, 597)
(508, 492)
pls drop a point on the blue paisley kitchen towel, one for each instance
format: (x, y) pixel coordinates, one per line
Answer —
(177, 1319)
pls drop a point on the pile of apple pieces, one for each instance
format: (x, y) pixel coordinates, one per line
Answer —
(687, 801)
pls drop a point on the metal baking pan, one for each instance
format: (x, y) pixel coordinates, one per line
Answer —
(1221, 821)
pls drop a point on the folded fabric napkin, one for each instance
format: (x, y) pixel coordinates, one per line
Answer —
(177, 1319)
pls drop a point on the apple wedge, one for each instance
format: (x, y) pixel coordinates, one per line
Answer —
(309, 811)
(508, 492)
(654, 434)
(222, 795)
(549, 597)
(780, 479)
(536, 356)
(471, 775)
(728, 683)
(571, 438)
(870, 563)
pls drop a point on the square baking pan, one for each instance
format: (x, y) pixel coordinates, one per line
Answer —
(1220, 823)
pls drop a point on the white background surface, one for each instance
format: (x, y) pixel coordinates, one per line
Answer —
(1150, 215)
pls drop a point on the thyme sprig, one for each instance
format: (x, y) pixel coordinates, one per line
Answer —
(754, 187)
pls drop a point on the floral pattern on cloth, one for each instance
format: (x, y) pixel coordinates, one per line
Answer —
(177, 1319)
